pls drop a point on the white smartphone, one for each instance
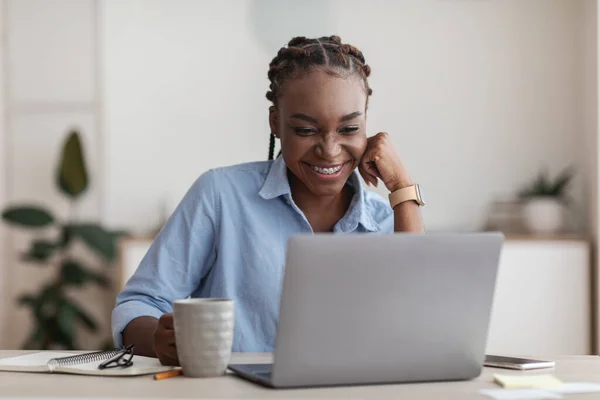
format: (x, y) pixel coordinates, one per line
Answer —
(516, 363)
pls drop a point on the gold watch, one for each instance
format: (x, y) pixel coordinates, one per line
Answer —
(409, 193)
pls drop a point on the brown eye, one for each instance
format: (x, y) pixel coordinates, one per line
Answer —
(348, 130)
(305, 131)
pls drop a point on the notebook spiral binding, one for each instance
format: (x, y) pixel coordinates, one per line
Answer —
(83, 358)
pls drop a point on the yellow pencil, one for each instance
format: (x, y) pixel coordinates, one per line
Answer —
(168, 374)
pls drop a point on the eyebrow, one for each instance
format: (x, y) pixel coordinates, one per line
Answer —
(308, 118)
(351, 116)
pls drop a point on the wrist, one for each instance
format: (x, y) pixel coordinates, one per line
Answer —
(399, 184)
(410, 193)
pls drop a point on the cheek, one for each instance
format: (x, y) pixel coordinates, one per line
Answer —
(294, 147)
(357, 146)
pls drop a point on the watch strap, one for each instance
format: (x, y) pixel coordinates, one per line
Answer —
(404, 194)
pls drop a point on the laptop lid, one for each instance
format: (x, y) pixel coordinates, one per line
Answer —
(362, 308)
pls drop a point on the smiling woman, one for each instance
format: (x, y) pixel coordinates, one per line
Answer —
(227, 237)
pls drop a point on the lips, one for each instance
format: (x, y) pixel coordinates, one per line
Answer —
(326, 170)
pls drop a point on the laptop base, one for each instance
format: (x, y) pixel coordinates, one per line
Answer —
(258, 373)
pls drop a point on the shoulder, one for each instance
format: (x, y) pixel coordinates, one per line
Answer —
(257, 169)
(243, 178)
(378, 208)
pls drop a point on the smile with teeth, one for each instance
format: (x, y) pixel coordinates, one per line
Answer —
(326, 171)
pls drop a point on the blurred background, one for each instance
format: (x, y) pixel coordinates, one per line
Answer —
(110, 109)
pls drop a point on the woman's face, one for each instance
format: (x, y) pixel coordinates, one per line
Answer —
(321, 122)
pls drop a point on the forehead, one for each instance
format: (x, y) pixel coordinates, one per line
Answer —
(323, 96)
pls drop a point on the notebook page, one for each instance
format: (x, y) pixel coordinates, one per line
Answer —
(141, 366)
(35, 362)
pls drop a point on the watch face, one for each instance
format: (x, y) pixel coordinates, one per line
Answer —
(420, 195)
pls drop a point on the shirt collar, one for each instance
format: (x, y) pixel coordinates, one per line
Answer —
(276, 184)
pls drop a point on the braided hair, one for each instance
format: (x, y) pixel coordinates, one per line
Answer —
(302, 55)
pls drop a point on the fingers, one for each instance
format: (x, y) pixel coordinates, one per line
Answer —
(168, 358)
(163, 335)
(166, 321)
(164, 341)
(165, 331)
(370, 179)
(367, 165)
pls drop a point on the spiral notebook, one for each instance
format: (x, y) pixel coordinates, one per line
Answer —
(81, 364)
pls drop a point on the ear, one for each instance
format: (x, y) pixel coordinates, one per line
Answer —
(274, 121)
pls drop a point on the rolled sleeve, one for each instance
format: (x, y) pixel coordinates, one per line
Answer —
(126, 312)
(179, 257)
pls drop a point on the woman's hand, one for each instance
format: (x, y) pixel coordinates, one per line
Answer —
(164, 341)
(381, 161)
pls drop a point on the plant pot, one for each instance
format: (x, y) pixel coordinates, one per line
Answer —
(544, 215)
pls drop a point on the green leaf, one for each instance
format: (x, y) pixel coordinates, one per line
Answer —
(35, 339)
(65, 236)
(27, 300)
(108, 344)
(66, 321)
(72, 172)
(99, 279)
(40, 251)
(82, 316)
(57, 335)
(99, 239)
(562, 181)
(73, 273)
(47, 301)
(28, 216)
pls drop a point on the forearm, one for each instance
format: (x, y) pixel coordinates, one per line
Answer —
(140, 333)
(407, 217)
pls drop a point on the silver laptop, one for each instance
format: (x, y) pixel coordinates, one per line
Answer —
(366, 309)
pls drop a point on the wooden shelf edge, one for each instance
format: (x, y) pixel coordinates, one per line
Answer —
(511, 237)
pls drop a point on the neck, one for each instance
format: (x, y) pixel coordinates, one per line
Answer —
(327, 210)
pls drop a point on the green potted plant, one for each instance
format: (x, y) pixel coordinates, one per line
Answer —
(56, 315)
(544, 202)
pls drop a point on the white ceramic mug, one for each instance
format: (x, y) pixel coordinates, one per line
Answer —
(203, 335)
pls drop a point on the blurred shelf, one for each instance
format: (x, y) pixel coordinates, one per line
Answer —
(561, 237)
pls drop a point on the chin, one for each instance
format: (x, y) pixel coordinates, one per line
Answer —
(326, 191)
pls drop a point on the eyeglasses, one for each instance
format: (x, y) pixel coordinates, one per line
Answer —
(123, 359)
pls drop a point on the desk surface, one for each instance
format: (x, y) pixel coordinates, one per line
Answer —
(43, 385)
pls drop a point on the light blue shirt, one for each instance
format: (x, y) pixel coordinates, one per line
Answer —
(228, 238)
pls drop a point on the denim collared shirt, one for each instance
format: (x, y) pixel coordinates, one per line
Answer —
(227, 238)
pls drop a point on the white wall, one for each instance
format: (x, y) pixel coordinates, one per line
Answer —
(589, 84)
(4, 269)
(478, 95)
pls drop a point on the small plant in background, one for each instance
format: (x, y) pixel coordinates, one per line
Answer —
(544, 202)
(55, 314)
(543, 186)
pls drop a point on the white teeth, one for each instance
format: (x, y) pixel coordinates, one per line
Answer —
(326, 171)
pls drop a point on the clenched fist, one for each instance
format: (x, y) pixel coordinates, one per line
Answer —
(164, 341)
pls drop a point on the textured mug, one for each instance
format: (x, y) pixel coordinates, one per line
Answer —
(203, 335)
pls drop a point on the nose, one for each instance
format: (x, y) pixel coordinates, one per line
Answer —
(329, 147)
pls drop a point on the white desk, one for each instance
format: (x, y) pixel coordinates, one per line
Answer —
(569, 369)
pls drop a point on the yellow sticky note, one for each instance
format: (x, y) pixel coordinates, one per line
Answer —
(527, 381)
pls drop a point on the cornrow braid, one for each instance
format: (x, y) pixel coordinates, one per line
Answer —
(271, 146)
(304, 54)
